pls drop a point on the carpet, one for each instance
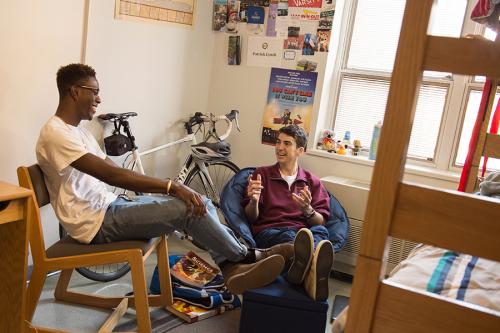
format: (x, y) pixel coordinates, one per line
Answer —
(161, 321)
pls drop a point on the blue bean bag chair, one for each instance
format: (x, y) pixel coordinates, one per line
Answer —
(233, 192)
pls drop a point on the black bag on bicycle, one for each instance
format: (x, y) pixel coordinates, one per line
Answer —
(117, 144)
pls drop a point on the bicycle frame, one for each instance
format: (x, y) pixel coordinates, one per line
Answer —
(136, 155)
(186, 167)
(191, 161)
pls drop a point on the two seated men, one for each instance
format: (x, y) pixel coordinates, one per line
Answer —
(77, 171)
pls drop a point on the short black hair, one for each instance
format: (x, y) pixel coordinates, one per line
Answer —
(69, 75)
(297, 133)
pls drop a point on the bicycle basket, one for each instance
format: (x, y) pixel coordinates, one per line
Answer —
(205, 151)
(117, 144)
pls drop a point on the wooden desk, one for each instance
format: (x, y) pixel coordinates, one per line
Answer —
(13, 255)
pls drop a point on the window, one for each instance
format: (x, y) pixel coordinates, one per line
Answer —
(468, 124)
(474, 95)
(366, 70)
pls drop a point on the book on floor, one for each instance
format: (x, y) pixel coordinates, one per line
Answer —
(192, 313)
(192, 270)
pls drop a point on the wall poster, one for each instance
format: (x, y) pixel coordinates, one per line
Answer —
(290, 100)
(168, 11)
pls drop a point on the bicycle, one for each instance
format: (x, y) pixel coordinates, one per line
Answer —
(206, 169)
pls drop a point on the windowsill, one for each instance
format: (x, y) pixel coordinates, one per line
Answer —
(412, 169)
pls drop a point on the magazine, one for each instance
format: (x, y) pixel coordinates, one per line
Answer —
(193, 270)
(192, 313)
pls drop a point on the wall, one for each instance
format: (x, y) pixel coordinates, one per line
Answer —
(160, 71)
(249, 96)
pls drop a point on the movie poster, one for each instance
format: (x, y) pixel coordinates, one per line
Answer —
(289, 101)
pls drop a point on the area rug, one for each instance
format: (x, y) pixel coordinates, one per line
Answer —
(161, 321)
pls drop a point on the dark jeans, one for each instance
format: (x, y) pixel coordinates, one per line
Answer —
(273, 236)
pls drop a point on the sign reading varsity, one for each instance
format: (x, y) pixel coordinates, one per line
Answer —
(305, 3)
(308, 10)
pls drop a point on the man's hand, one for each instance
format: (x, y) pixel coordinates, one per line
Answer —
(303, 200)
(194, 201)
(254, 188)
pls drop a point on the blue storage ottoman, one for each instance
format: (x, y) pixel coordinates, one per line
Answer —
(282, 307)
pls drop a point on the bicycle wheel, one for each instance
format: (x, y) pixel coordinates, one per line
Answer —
(103, 273)
(220, 173)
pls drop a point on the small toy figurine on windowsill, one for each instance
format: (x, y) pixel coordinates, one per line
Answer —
(356, 148)
(327, 142)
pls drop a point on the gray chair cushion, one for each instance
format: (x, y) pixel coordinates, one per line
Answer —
(67, 247)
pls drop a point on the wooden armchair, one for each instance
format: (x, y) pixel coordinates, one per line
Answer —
(67, 254)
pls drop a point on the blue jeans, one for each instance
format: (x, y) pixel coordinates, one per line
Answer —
(145, 217)
(273, 236)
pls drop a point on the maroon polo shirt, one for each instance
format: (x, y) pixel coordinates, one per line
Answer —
(276, 206)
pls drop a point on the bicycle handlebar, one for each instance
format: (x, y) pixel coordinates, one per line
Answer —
(199, 118)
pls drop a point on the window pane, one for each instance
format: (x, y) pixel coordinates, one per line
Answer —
(375, 34)
(424, 135)
(468, 125)
(447, 18)
(377, 26)
(491, 35)
(362, 104)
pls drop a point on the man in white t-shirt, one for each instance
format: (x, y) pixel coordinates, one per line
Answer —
(76, 170)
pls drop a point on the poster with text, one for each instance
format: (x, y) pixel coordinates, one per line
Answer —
(304, 9)
(290, 100)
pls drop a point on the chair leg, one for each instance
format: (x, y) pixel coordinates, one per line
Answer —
(62, 284)
(164, 273)
(140, 293)
(34, 290)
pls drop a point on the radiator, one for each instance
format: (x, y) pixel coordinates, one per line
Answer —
(353, 195)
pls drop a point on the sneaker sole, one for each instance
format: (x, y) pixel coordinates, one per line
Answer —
(303, 254)
(324, 262)
(264, 272)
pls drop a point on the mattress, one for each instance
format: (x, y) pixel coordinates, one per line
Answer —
(447, 273)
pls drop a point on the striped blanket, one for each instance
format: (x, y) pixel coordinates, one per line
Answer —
(450, 274)
(459, 276)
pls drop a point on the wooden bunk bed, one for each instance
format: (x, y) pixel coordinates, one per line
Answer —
(457, 221)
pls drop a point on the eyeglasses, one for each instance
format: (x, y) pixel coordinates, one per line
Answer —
(95, 91)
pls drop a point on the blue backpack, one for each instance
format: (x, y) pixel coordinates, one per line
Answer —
(212, 295)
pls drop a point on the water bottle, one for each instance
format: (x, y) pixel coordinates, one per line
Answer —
(347, 139)
(374, 143)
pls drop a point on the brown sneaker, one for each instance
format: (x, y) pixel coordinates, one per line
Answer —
(316, 281)
(240, 277)
(303, 247)
(284, 249)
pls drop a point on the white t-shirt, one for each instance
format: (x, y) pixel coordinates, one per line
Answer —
(79, 200)
(290, 179)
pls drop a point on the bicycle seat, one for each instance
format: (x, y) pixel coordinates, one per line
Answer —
(117, 116)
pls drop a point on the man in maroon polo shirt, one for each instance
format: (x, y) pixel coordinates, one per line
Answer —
(288, 205)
